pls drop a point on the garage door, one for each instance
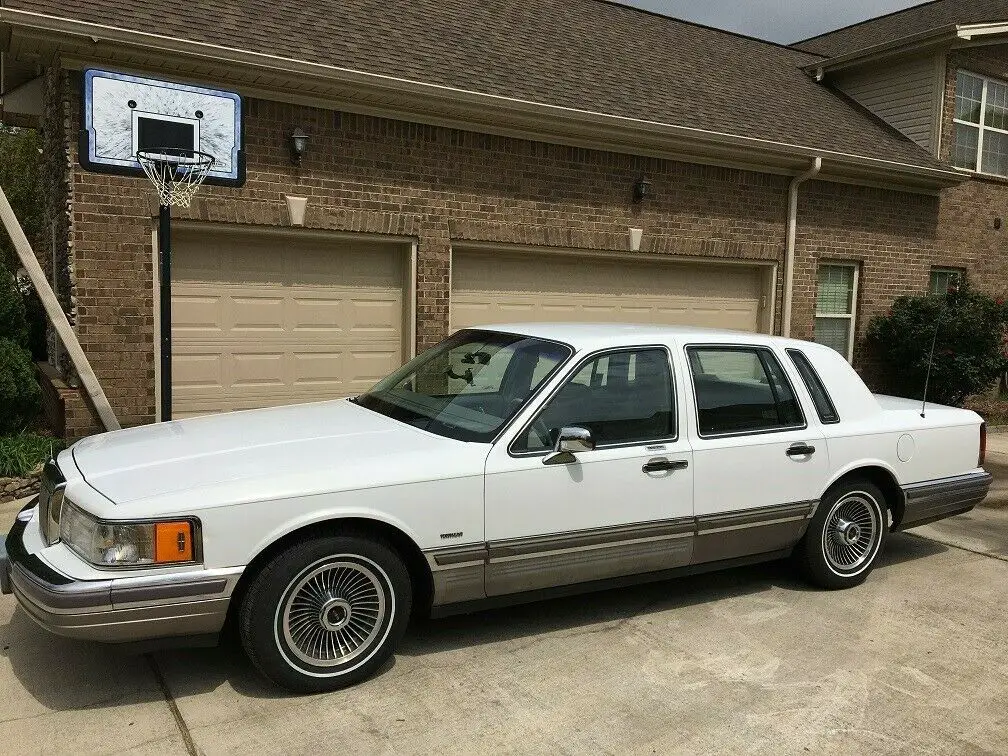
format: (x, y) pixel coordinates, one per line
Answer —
(261, 320)
(502, 287)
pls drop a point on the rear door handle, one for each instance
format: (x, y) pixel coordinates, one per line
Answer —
(660, 464)
(800, 449)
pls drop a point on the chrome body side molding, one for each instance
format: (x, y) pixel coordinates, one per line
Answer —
(936, 499)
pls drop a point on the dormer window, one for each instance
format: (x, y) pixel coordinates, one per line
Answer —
(981, 124)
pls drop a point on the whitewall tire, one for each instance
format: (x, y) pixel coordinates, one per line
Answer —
(326, 613)
(846, 535)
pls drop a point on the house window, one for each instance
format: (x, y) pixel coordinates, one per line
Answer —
(942, 278)
(836, 294)
(981, 124)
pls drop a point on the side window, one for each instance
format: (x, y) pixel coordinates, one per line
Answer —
(741, 390)
(824, 406)
(621, 397)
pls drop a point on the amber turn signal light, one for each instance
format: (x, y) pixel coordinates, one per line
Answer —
(173, 542)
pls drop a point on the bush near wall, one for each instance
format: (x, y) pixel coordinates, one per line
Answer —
(969, 333)
(20, 395)
(13, 323)
(20, 177)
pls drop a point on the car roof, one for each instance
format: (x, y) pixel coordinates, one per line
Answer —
(601, 335)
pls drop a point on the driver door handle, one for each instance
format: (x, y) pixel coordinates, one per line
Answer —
(660, 464)
(800, 449)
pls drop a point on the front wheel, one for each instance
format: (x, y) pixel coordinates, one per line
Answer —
(326, 613)
(845, 536)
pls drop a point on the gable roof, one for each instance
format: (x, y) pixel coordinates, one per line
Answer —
(586, 57)
(905, 23)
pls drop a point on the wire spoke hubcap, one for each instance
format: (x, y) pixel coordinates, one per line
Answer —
(333, 613)
(851, 532)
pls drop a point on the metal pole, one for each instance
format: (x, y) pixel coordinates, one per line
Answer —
(164, 255)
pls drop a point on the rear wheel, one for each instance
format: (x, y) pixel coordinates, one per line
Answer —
(326, 613)
(845, 536)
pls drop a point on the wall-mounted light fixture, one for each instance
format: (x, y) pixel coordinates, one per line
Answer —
(642, 189)
(298, 145)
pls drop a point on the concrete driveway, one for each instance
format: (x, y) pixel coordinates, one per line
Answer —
(750, 660)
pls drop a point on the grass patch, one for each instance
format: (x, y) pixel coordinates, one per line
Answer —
(23, 455)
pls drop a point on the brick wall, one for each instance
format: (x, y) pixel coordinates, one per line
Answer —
(967, 236)
(889, 235)
(366, 174)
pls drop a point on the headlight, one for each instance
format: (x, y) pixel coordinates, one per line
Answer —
(126, 544)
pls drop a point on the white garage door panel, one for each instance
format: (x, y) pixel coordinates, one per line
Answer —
(259, 322)
(502, 287)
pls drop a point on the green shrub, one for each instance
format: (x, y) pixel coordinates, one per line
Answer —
(969, 350)
(13, 324)
(23, 454)
(20, 396)
(21, 178)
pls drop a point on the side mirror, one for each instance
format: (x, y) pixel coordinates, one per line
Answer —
(570, 441)
(573, 439)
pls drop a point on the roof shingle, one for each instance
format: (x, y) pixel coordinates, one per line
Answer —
(585, 54)
(913, 20)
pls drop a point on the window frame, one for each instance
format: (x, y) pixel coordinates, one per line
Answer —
(744, 348)
(981, 127)
(570, 374)
(791, 352)
(852, 315)
(960, 272)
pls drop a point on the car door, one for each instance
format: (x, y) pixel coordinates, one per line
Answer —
(623, 507)
(759, 463)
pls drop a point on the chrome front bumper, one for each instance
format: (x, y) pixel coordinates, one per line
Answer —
(114, 610)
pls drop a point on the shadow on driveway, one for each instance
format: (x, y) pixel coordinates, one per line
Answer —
(69, 675)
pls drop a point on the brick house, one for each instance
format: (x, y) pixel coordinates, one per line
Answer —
(596, 162)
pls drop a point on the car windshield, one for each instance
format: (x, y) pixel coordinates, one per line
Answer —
(468, 386)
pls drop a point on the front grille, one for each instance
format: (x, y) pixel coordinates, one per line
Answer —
(51, 501)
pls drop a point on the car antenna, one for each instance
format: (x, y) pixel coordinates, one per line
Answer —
(952, 290)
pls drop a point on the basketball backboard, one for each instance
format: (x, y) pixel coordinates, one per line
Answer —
(124, 114)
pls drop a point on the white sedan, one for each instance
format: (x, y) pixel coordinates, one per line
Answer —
(506, 464)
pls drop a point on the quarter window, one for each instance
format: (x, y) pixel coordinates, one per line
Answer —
(622, 397)
(981, 124)
(943, 278)
(824, 406)
(836, 294)
(741, 390)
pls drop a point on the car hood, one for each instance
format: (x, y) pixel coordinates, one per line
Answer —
(274, 453)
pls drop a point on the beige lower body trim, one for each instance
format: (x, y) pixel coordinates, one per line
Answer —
(497, 568)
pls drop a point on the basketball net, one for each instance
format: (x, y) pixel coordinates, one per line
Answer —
(175, 173)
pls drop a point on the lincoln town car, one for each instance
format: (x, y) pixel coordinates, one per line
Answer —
(509, 463)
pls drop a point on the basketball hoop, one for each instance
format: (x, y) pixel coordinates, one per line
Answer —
(175, 173)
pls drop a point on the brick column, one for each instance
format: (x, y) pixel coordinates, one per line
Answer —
(433, 283)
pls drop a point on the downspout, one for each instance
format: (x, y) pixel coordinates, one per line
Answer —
(789, 249)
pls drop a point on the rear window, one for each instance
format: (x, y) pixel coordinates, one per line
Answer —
(817, 390)
(741, 389)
